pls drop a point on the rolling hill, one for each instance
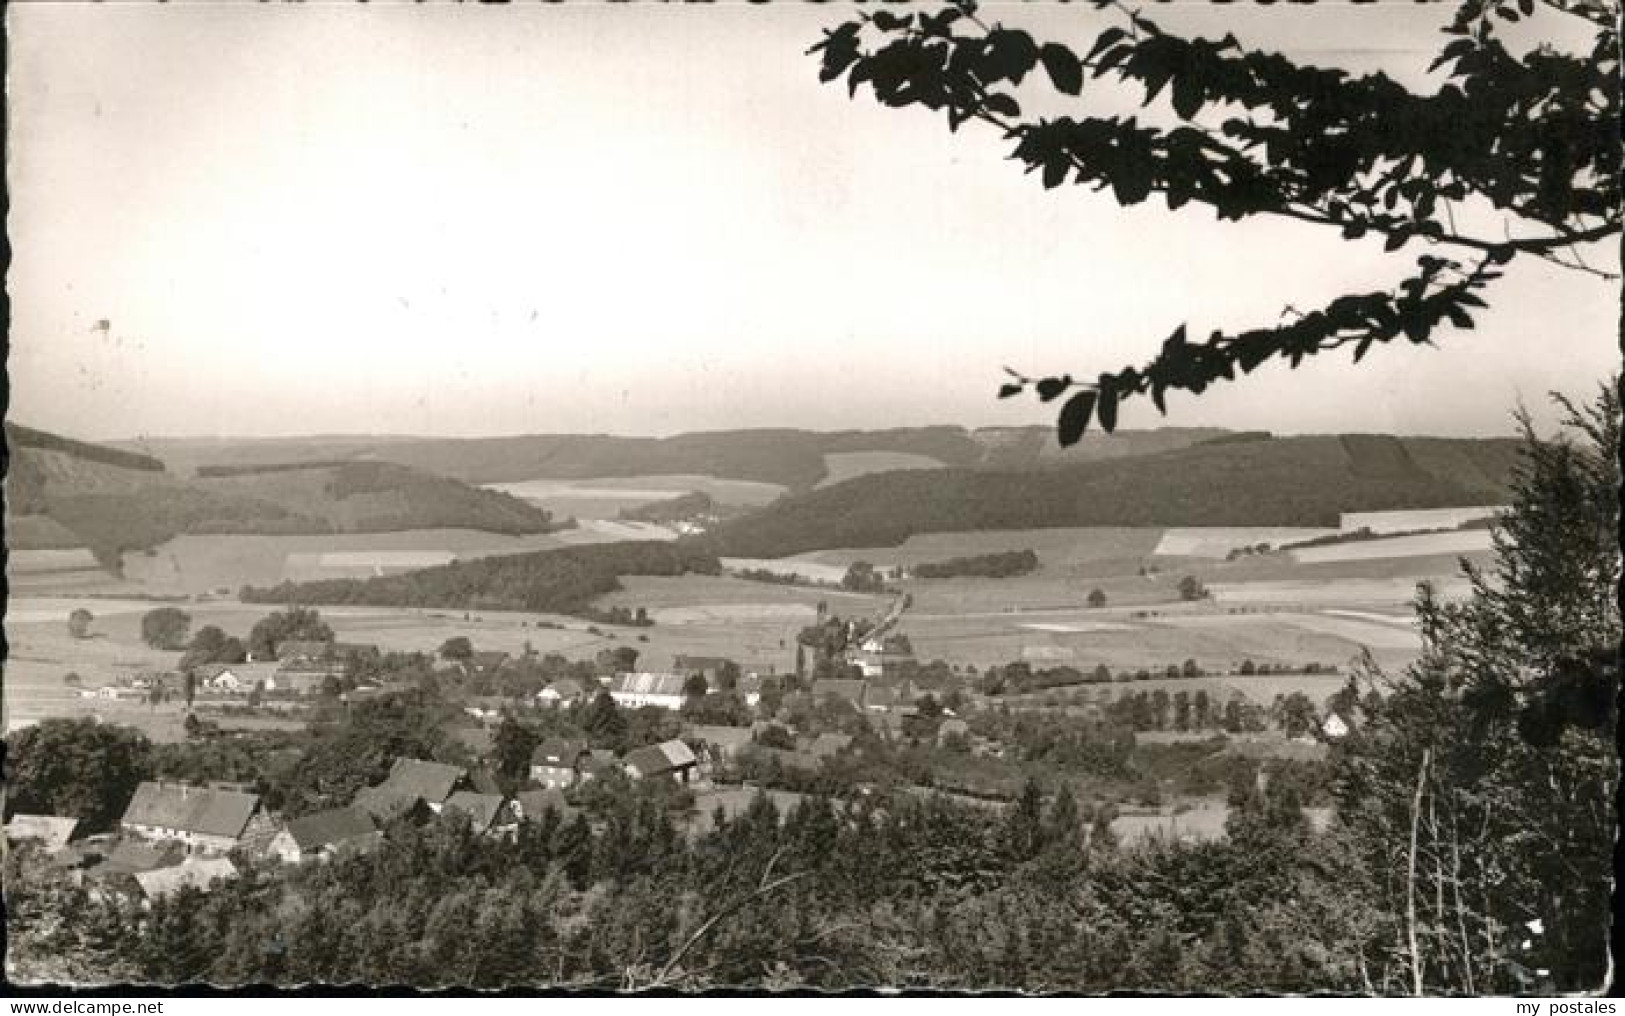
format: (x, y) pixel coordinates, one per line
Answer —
(63, 493)
(797, 459)
(561, 581)
(1298, 481)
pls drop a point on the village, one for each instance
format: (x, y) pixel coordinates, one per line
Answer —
(857, 715)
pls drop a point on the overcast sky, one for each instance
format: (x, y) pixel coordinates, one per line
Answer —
(643, 220)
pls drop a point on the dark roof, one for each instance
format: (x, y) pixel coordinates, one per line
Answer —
(803, 760)
(700, 662)
(484, 809)
(534, 803)
(191, 809)
(330, 828)
(653, 759)
(558, 751)
(488, 658)
(723, 737)
(566, 687)
(849, 689)
(828, 744)
(432, 781)
(308, 648)
(383, 803)
(484, 781)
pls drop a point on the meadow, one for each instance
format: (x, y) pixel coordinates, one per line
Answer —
(605, 497)
(193, 564)
(843, 466)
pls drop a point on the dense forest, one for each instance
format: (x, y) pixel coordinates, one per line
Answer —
(18, 436)
(561, 581)
(999, 565)
(1306, 481)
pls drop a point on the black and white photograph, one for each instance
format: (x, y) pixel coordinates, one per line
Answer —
(596, 499)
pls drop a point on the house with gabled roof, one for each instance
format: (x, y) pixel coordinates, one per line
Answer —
(845, 689)
(561, 692)
(556, 763)
(303, 651)
(633, 691)
(325, 834)
(719, 744)
(531, 805)
(670, 759)
(430, 782)
(486, 661)
(206, 819)
(49, 831)
(487, 813)
(829, 744)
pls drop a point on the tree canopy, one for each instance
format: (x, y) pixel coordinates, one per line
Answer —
(1515, 156)
(165, 627)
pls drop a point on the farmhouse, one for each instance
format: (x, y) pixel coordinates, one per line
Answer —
(844, 689)
(710, 667)
(234, 678)
(485, 662)
(561, 692)
(633, 691)
(1334, 726)
(324, 835)
(410, 781)
(206, 819)
(532, 805)
(556, 762)
(669, 758)
(50, 832)
(199, 872)
(829, 744)
(720, 744)
(487, 813)
(302, 678)
(303, 651)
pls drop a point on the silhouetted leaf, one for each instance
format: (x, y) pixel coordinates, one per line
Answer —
(1107, 410)
(1002, 104)
(1050, 387)
(1064, 68)
(1007, 390)
(1074, 419)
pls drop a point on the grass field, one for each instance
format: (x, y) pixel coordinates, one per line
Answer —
(1466, 541)
(198, 564)
(607, 496)
(1410, 521)
(1217, 541)
(846, 465)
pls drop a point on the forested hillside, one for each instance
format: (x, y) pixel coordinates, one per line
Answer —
(61, 492)
(562, 581)
(1304, 481)
(792, 458)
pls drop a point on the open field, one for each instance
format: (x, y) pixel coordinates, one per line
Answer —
(1325, 592)
(606, 497)
(1056, 548)
(846, 465)
(1465, 541)
(812, 570)
(1217, 641)
(1217, 541)
(197, 564)
(1410, 521)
